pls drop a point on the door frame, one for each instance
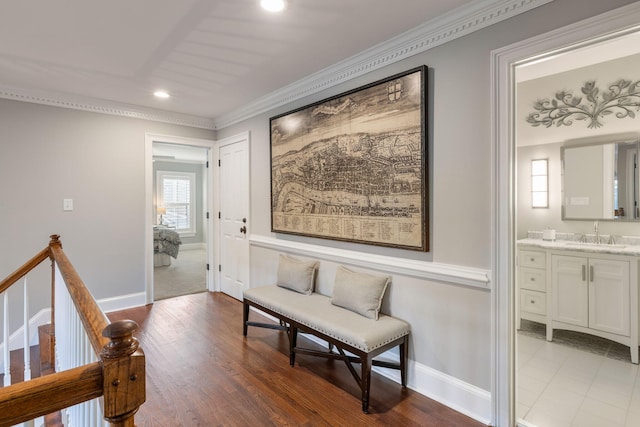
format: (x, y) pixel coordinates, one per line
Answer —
(609, 25)
(210, 186)
(243, 136)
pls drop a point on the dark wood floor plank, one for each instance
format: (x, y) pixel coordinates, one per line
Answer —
(201, 371)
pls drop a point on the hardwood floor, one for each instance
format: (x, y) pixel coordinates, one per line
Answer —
(201, 371)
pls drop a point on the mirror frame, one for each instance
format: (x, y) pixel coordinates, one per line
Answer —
(635, 139)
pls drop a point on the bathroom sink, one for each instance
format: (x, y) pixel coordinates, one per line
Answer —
(595, 245)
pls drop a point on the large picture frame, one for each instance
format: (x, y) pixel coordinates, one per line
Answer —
(353, 167)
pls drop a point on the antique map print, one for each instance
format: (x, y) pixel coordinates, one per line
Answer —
(353, 167)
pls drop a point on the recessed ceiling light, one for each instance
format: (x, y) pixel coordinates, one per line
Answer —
(273, 5)
(161, 94)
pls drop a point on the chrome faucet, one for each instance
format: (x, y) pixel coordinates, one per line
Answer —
(597, 232)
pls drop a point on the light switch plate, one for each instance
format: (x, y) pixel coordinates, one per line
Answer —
(67, 205)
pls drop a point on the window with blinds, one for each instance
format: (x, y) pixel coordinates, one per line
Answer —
(176, 193)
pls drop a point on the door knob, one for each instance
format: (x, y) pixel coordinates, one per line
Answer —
(243, 229)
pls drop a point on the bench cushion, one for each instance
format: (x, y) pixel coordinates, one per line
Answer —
(316, 312)
(297, 275)
(359, 292)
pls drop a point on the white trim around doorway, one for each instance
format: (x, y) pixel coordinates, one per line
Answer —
(149, 215)
(606, 26)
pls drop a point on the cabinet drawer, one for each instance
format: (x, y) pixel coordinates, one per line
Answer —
(533, 302)
(532, 259)
(533, 279)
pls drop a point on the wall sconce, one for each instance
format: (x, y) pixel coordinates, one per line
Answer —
(161, 212)
(540, 183)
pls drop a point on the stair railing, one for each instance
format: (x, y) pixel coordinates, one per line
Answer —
(100, 368)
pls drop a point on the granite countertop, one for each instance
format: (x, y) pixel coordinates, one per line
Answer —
(617, 249)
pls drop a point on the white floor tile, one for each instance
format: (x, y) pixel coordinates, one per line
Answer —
(633, 419)
(542, 418)
(562, 386)
(521, 410)
(528, 345)
(560, 401)
(564, 383)
(613, 414)
(583, 419)
(540, 368)
(619, 371)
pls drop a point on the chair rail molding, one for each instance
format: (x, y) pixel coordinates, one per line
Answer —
(448, 273)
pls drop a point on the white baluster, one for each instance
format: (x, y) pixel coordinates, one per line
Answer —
(7, 356)
(27, 346)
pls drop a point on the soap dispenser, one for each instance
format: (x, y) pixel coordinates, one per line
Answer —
(549, 234)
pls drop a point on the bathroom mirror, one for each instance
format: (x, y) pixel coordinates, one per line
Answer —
(600, 181)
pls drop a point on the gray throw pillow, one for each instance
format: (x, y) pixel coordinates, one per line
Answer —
(359, 292)
(296, 274)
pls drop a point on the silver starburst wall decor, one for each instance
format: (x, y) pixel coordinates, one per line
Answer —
(621, 99)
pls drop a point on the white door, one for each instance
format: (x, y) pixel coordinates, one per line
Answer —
(234, 217)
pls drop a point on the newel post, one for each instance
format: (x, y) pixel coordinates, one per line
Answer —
(123, 374)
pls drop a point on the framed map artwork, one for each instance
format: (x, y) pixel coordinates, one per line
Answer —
(353, 167)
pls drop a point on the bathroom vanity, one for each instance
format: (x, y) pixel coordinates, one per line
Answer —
(585, 287)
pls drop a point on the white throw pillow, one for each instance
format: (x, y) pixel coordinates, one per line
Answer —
(296, 274)
(359, 292)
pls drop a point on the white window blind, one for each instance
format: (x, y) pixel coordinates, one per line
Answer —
(176, 193)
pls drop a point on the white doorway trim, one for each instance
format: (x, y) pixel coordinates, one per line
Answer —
(606, 26)
(149, 215)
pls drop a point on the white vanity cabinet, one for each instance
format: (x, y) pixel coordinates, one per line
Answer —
(591, 292)
(532, 285)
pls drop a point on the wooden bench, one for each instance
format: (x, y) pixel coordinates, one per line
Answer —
(347, 331)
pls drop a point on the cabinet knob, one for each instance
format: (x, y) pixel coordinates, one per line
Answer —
(533, 279)
(533, 259)
(533, 301)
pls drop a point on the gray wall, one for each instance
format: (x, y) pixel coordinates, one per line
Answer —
(451, 324)
(48, 154)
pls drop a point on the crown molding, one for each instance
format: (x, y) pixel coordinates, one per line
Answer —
(460, 22)
(102, 106)
(448, 27)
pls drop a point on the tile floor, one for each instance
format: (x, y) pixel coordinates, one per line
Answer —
(579, 380)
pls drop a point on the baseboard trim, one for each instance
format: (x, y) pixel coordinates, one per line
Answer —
(458, 395)
(463, 397)
(123, 302)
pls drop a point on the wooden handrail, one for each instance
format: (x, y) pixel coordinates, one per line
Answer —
(92, 317)
(118, 376)
(23, 270)
(40, 396)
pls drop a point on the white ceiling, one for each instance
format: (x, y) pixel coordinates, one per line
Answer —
(213, 56)
(594, 53)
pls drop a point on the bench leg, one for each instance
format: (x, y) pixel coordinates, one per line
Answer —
(404, 354)
(245, 319)
(365, 382)
(293, 342)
